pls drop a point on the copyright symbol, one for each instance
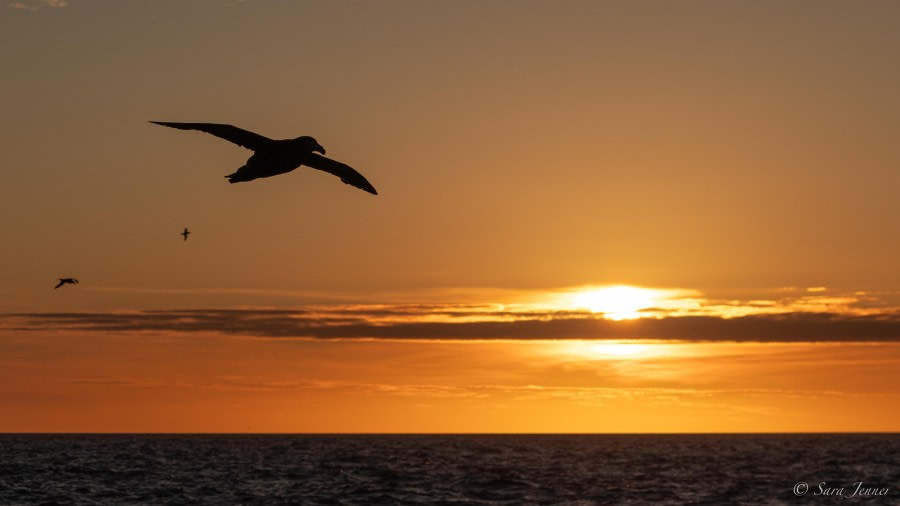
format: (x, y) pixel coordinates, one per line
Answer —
(800, 489)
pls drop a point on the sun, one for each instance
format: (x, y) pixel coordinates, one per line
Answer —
(617, 302)
(623, 302)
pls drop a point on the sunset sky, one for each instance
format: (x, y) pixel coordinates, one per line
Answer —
(622, 216)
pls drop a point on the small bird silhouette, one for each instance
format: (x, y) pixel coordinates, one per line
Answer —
(63, 281)
(185, 233)
(271, 157)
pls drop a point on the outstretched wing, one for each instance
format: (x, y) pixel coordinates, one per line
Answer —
(347, 174)
(61, 283)
(230, 133)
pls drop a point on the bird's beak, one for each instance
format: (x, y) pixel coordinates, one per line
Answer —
(319, 148)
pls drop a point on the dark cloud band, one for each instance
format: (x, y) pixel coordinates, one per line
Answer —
(468, 322)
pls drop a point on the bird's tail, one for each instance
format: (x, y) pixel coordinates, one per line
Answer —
(238, 176)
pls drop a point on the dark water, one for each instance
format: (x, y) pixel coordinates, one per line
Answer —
(447, 469)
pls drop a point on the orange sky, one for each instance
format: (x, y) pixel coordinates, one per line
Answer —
(741, 156)
(206, 383)
(787, 366)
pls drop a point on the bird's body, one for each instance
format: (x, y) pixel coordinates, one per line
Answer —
(66, 281)
(185, 233)
(278, 158)
(273, 157)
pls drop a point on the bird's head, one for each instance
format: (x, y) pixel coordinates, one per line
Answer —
(310, 144)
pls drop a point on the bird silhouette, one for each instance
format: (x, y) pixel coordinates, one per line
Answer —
(274, 157)
(63, 281)
(185, 233)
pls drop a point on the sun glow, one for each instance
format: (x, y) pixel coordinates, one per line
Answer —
(581, 350)
(619, 349)
(617, 302)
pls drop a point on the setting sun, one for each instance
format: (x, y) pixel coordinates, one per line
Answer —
(617, 302)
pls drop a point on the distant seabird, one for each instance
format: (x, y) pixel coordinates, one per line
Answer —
(271, 157)
(64, 281)
(185, 233)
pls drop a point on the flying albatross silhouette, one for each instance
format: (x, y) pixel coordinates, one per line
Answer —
(271, 157)
(185, 233)
(64, 281)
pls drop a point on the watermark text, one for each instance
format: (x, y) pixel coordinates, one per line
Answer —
(857, 489)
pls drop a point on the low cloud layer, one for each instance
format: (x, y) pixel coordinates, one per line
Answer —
(448, 322)
(33, 5)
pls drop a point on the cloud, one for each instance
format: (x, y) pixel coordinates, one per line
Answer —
(104, 381)
(469, 322)
(33, 5)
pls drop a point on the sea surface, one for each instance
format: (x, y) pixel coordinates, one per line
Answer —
(449, 469)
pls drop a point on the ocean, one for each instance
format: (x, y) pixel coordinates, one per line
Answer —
(51, 469)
